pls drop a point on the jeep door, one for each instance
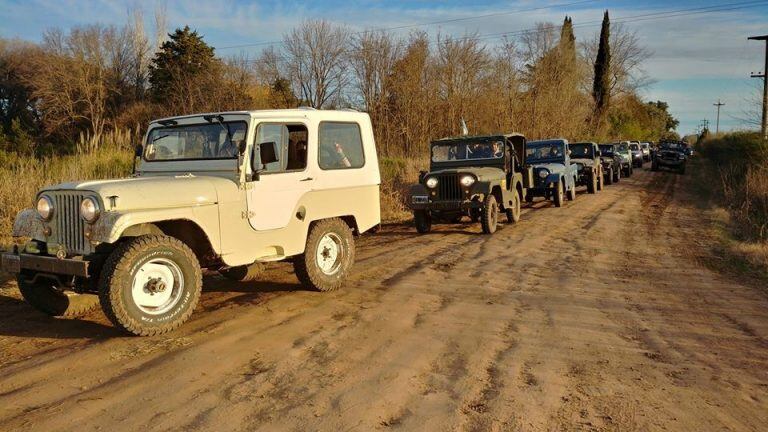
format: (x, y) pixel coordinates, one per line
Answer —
(274, 192)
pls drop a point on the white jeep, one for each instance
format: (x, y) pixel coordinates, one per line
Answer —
(224, 191)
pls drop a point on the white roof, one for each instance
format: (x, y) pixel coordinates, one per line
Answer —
(304, 112)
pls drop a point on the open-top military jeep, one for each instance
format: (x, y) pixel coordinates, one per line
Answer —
(586, 156)
(222, 191)
(477, 176)
(553, 171)
(611, 163)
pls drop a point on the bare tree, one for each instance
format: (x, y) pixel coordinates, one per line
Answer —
(373, 56)
(316, 57)
(627, 58)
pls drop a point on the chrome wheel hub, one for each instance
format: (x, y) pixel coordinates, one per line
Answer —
(157, 286)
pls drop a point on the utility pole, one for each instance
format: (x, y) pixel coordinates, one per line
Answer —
(764, 76)
(717, 127)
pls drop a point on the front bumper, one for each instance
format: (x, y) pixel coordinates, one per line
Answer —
(14, 262)
(423, 203)
(670, 162)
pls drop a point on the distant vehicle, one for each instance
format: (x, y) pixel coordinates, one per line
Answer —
(553, 172)
(671, 155)
(637, 154)
(222, 191)
(611, 162)
(622, 149)
(478, 176)
(586, 156)
(646, 149)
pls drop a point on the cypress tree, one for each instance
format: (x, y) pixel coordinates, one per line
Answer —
(602, 83)
(180, 60)
(568, 40)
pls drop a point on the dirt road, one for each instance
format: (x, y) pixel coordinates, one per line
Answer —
(597, 316)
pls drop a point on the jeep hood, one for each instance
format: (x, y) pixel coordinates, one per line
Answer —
(552, 167)
(152, 192)
(482, 173)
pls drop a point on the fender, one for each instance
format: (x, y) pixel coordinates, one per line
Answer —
(28, 224)
(111, 225)
(553, 178)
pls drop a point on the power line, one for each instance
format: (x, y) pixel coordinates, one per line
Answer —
(431, 23)
(725, 7)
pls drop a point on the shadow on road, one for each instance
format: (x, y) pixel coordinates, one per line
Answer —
(21, 320)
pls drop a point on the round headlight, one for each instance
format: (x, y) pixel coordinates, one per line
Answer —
(89, 210)
(543, 173)
(431, 182)
(467, 180)
(45, 208)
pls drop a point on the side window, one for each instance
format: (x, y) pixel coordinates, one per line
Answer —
(340, 146)
(291, 140)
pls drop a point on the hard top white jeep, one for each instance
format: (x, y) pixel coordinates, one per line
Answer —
(223, 191)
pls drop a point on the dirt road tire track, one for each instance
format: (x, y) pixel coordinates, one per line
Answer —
(592, 317)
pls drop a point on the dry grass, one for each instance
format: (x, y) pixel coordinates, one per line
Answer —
(21, 177)
(397, 174)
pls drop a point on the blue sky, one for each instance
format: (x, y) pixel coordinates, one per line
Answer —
(696, 58)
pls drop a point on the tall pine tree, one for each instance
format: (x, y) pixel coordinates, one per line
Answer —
(568, 41)
(601, 86)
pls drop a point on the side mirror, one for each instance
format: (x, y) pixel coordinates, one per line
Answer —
(138, 151)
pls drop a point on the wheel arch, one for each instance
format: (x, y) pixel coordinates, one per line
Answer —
(185, 230)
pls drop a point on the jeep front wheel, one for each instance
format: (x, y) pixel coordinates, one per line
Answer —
(513, 213)
(558, 194)
(490, 215)
(45, 297)
(609, 177)
(328, 255)
(150, 285)
(423, 221)
(592, 185)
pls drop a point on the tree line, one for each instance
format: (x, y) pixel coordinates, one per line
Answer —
(80, 89)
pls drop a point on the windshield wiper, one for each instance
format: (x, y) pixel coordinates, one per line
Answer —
(160, 137)
(220, 120)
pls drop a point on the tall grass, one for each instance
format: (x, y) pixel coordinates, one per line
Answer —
(739, 163)
(22, 176)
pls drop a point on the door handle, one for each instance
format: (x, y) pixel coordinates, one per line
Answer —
(307, 179)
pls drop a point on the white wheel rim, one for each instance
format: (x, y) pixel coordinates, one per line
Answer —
(157, 286)
(329, 254)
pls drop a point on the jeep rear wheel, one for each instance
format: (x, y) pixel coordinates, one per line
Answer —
(617, 175)
(609, 177)
(244, 273)
(557, 195)
(423, 221)
(328, 255)
(150, 285)
(45, 297)
(513, 213)
(490, 217)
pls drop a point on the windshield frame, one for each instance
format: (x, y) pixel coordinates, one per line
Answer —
(546, 143)
(222, 125)
(591, 147)
(500, 162)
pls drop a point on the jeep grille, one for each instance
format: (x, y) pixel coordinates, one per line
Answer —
(69, 227)
(448, 187)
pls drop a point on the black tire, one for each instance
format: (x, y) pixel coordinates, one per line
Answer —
(617, 175)
(571, 194)
(306, 265)
(123, 265)
(513, 214)
(489, 219)
(45, 297)
(244, 273)
(557, 196)
(423, 221)
(592, 185)
(609, 177)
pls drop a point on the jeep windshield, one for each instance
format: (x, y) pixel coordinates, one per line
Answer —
(197, 141)
(467, 150)
(622, 147)
(582, 151)
(544, 151)
(606, 149)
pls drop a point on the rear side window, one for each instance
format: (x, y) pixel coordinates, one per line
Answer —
(340, 146)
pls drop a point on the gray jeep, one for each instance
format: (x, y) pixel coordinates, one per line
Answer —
(553, 172)
(477, 176)
(586, 156)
